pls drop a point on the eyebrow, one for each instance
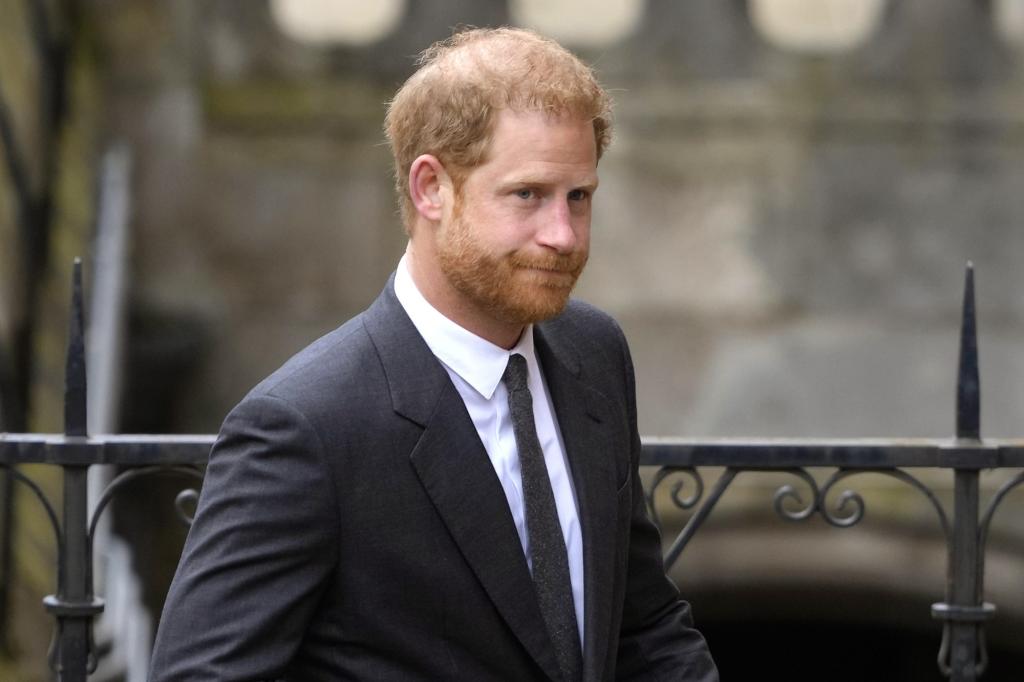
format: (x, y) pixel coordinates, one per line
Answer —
(543, 179)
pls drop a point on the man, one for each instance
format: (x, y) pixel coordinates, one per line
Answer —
(445, 487)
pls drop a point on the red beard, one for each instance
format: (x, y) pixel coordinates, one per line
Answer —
(515, 288)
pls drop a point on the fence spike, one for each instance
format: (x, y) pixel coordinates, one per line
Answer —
(74, 370)
(968, 385)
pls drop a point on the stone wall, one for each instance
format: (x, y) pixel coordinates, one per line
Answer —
(778, 233)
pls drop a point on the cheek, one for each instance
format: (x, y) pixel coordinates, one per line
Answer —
(509, 228)
(581, 226)
(486, 216)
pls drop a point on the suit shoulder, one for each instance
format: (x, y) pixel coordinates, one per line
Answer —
(588, 324)
(343, 358)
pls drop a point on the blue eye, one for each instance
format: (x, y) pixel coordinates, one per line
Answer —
(524, 193)
(578, 195)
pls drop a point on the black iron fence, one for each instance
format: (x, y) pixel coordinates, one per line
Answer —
(962, 653)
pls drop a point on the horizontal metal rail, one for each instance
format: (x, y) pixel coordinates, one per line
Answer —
(857, 453)
(121, 450)
(774, 453)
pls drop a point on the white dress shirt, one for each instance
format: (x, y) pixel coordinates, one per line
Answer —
(476, 366)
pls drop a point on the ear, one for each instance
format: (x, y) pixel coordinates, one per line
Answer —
(429, 183)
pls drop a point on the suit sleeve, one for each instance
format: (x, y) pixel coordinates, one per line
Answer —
(258, 555)
(657, 641)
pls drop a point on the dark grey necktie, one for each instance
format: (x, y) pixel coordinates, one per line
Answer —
(547, 548)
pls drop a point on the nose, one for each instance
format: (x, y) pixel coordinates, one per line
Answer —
(557, 230)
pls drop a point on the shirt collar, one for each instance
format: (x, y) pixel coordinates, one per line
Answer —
(478, 361)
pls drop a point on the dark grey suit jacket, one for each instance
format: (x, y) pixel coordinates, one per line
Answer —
(351, 526)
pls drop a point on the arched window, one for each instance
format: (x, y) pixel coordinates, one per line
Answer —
(580, 23)
(816, 26)
(337, 22)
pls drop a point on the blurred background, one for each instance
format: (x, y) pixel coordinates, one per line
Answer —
(783, 223)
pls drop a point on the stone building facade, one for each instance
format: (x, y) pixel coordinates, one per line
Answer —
(782, 227)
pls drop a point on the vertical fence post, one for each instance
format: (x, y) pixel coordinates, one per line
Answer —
(963, 578)
(963, 611)
(74, 605)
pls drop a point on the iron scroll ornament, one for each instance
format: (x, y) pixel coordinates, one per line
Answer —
(849, 509)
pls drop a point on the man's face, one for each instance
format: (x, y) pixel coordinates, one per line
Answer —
(519, 232)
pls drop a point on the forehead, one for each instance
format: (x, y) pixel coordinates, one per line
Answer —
(537, 142)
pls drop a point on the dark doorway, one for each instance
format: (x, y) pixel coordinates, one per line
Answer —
(829, 636)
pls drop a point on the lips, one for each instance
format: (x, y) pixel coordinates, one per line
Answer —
(547, 278)
(569, 266)
(548, 271)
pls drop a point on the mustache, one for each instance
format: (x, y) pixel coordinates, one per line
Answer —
(570, 264)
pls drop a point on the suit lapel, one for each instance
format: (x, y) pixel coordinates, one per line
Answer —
(458, 476)
(455, 472)
(584, 418)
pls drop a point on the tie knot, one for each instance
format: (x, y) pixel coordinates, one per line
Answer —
(515, 373)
